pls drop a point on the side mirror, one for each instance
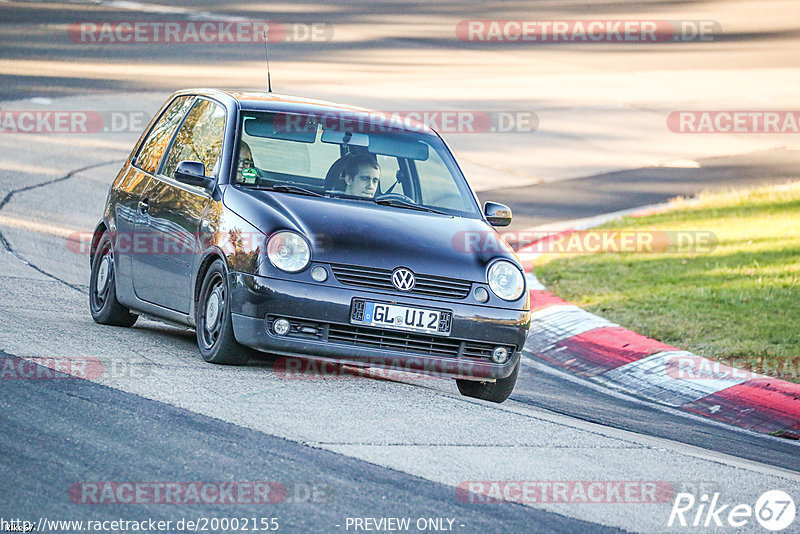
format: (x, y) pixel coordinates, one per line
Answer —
(497, 214)
(193, 173)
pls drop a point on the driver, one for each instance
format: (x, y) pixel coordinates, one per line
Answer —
(362, 174)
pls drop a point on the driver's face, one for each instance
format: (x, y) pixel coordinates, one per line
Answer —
(364, 183)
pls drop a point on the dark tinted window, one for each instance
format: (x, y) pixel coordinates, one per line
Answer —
(199, 139)
(158, 140)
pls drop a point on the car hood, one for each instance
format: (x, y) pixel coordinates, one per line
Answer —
(359, 232)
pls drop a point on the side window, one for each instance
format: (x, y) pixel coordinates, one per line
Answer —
(437, 184)
(156, 143)
(199, 139)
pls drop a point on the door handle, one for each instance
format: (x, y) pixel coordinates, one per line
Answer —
(144, 205)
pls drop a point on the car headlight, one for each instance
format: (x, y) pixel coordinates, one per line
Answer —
(506, 280)
(288, 251)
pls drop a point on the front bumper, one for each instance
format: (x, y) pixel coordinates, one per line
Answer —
(257, 300)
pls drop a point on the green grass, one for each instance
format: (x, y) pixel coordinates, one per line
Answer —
(738, 303)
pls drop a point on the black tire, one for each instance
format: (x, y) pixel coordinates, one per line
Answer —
(103, 303)
(212, 313)
(496, 391)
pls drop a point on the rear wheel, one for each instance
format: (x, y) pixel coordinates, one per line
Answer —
(213, 319)
(103, 303)
(496, 391)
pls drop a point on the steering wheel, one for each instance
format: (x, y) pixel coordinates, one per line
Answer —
(395, 196)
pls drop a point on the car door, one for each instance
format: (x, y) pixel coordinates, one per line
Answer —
(169, 229)
(128, 191)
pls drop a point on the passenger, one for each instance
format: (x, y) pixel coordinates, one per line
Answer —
(362, 174)
(247, 167)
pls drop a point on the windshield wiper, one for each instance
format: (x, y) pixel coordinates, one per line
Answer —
(401, 204)
(346, 196)
(287, 188)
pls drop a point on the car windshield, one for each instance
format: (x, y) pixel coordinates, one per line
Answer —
(346, 159)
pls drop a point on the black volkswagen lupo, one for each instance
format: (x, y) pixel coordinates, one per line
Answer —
(307, 228)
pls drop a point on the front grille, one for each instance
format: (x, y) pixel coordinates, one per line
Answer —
(427, 285)
(408, 342)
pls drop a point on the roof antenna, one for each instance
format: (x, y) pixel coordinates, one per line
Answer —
(266, 52)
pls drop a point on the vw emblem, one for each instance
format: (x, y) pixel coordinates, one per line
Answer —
(403, 279)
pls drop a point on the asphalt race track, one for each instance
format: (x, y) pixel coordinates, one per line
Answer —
(350, 446)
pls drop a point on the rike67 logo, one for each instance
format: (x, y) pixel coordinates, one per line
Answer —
(774, 510)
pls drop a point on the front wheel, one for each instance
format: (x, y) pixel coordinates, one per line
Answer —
(213, 319)
(496, 391)
(103, 303)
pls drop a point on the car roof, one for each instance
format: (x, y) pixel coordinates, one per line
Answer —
(264, 101)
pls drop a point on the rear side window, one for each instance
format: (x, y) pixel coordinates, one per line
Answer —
(158, 140)
(199, 139)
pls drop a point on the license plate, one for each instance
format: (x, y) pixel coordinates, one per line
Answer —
(397, 317)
